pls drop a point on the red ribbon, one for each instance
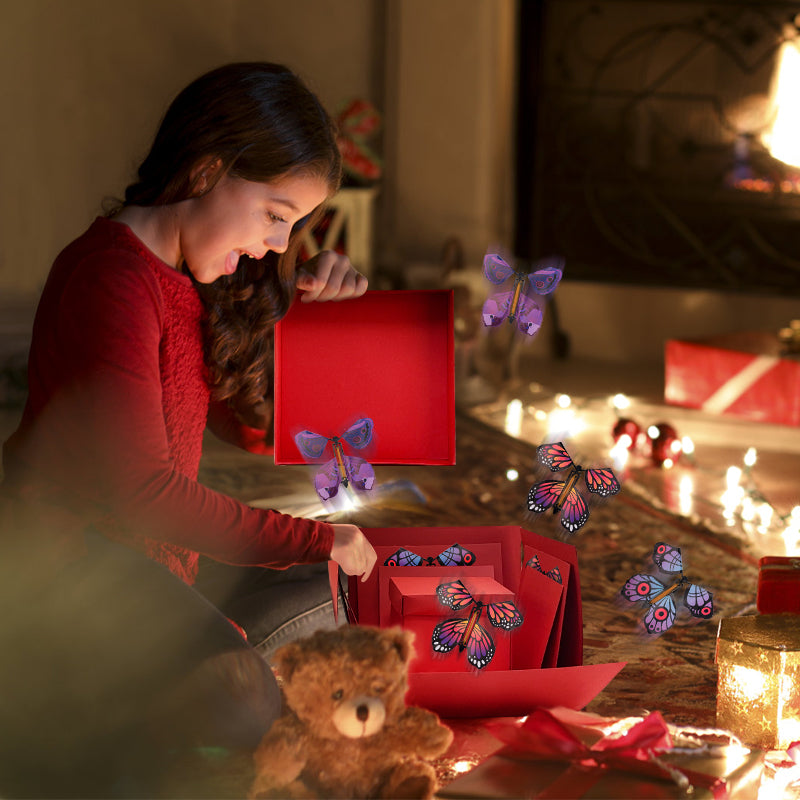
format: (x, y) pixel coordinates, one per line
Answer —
(544, 736)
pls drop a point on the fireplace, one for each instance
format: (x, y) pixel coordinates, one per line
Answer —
(647, 142)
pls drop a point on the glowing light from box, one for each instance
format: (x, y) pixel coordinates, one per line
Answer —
(783, 140)
(513, 424)
(512, 474)
(564, 422)
(685, 493)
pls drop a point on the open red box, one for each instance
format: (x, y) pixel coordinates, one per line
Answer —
(387, 355)
(506, 550)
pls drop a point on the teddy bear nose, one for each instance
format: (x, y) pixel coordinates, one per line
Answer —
(362, 712)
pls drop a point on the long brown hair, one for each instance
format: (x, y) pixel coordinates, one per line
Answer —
(262, 123)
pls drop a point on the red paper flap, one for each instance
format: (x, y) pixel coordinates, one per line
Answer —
(510, 693)
(540, 599)
(417, 594)
(386, 355)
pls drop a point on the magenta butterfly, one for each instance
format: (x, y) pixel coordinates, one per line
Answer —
(467, 632)
(452, 556)
(661, 612)
(563, 495)
(341, 468)
(515, 305)
(553, 574)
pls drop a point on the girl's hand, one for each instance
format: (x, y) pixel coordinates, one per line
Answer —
(330, 276)
(352, 551)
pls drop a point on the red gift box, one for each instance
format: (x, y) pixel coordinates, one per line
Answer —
(387, 356)
(415, 606)
(741, 375)
(546, 650)
(778, 585)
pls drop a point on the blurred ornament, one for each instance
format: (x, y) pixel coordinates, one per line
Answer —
(626, 433)
(665, 444)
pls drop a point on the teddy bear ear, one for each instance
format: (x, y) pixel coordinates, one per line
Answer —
(287, 659)
(403, 641)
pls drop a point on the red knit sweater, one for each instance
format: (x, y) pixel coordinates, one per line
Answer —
(111, 434)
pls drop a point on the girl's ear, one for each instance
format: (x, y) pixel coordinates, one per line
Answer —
(204, 175)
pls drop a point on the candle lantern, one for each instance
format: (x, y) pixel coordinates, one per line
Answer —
(758, 681)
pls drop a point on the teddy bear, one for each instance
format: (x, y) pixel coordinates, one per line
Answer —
(346, 731)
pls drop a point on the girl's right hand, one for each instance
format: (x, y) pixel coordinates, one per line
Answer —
(352, 551)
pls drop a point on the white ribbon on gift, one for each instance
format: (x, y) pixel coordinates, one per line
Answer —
(737, 385)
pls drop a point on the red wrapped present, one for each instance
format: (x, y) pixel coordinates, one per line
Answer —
(778, 585)
(546, 650)
(742, 375)
(564, 754)
(387, 356)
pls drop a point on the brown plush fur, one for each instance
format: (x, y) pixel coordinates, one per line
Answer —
(354, 672)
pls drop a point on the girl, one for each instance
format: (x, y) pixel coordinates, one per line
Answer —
(152, 324)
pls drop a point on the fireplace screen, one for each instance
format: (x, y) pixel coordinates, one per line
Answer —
(659, 142)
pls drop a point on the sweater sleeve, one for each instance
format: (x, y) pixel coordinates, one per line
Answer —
(105, 435)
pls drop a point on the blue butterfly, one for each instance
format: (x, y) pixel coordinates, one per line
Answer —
(467, 632)
(661, 605)
(453, 556)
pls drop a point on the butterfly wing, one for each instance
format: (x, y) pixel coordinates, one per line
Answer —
(555, 574)
(456, 555)
(574, 512)
(667, 557)
(641, 587)
(545, 280)
(446, 635)
(555, 456)
(496, 269)
(326, 481)
(504, 615)
(496, 309)
(700, 602)
(544, 495)
(454, 594)
(660, 616)
(602, 481)
(359, 434)
(480, 647)
(529, 316)
(359, 472)
(311, 445)
(403, 558)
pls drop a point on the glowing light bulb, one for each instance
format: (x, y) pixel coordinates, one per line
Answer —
(687, 445)
(512, 474)
(540, 415)
(685, 492)
(732, 477)
(653, 431)
(620, 401)
(563, 400)
(750, 457)
(513, 423)
(765, 512)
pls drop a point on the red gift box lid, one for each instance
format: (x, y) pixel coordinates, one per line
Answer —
(387, 355)
(417, 595)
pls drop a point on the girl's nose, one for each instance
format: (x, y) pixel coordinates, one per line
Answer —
(277, 242)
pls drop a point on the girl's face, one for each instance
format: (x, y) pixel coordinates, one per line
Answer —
(243, 218)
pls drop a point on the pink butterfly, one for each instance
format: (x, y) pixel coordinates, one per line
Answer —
(515, 305)
(341, 468)
(563, 495)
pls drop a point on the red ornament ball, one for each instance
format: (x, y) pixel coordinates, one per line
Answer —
(665, 444)
(626, 427)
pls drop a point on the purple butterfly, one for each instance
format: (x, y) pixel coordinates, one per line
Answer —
(661, 612)
(554, 574)
(455, 555)
(515, 305)
(467, 632)
(563, 495)
(341, 468)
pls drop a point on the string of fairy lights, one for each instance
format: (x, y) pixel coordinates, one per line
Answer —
(739, 499)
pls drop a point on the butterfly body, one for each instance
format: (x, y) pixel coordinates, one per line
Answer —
(563, 495)
(516, 306)
(659, 598)
(342, 469)
(466, 632)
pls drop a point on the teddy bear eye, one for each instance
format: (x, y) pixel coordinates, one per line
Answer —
(379, 688)
(337, 695)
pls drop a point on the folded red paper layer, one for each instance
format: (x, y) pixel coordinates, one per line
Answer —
(387, 356)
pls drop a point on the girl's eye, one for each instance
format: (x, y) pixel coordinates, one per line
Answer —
(275, 217)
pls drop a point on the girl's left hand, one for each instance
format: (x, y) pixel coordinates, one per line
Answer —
(329, 276)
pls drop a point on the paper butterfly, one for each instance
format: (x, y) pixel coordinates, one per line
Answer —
(467, 632)
(453, 556)
(515, 305)
(661, 612)
(341, 468)
(563, 495)
(554, 574)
